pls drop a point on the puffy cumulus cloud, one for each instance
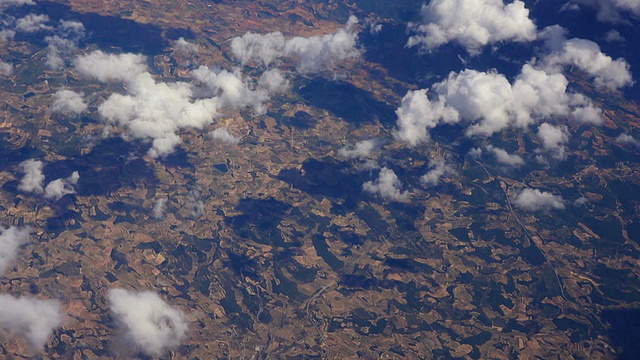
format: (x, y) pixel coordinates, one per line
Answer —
(33, 178)
(62, 45)
(30, 317)
(10, 240)
(438, 168)
(486, 102)
(472, 23)
(585, 55)
(417, 114)
(111, 67)
(362, 149)
(613, 11)
(186, 47)
(5, 68)
(6, 34)
(33, 23)
(7, 3)
(387, 186)
(534, 200)
(554, 138)
(156, 111)
(581, 201)
(61, 187)
(312, 53)
(148, 321)
(274, 81)
(613, 36)
(159, 208)
(588, 115)
(504, 158)
(627, 139)
(68, 102)
(224, 136)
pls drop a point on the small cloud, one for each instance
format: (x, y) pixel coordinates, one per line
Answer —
(33, 23)
(33, 178)
(438, 169)
(628, 139)
(417, 114)
(64, 44)
(148, 322)
(614, 11)
(111, 67)
(61, 187)
(554, 138)
(312, 54)
(7, 3)
(273, 81)
(195, 204)
(581, 201)
(68, 102)
(613, 36)
(471, 23)
(30, 317)
(224, 136)
(362, 149)
(504, 158)
(186, 47)
(387, 186)
(159, 208)
(475, 153)
(5, 68)
(534, 200)
(10, 240)
(588, 115)
(585, 55)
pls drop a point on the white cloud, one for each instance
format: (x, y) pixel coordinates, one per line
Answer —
(184, 46)
(10, 240)
(159, 208)
(222, 135)
(312, 54)
(628, 139)
(68, 102)
(33, 177)
(5, 68)
(554, 138)
(148, 321)
(273, 81)
(195, 204)
(111, 67)
(30, 317)
(472, 23)
(485, 102)
(362, 149)
(387, 186)
(156, 111)
(585, 55)
(33, 23)
(61, 187)
(504, 158)
(614, 36)
(6, 3)
(613, 11)
(64, 44)
(534, 200)
(588, 115)
(581, 201)
(6, 34)
(438, 169)
(417, 114)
